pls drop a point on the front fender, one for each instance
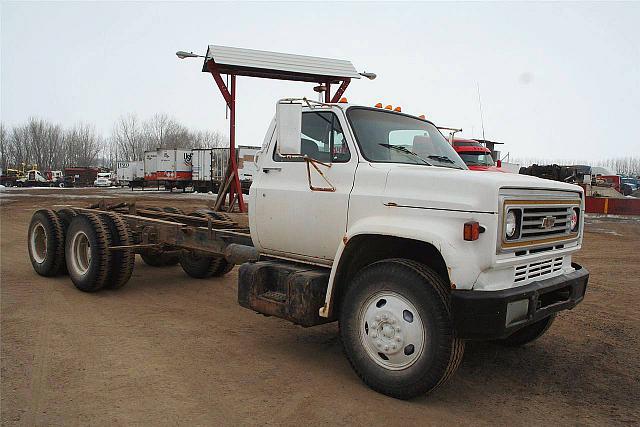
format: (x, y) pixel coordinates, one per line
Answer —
(442, 229)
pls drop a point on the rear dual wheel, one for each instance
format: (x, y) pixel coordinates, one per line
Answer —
(156, 258)
(87, 252)
(90, 263)
(46, 243)
(203, 266)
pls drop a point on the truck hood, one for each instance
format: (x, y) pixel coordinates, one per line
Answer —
(455, 189)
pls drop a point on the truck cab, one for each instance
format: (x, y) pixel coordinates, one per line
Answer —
(475, 155)
(368, 193)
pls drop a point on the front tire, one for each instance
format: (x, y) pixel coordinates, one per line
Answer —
(397, 330)
(529, 333)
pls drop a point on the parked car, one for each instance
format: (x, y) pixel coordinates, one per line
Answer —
(629, 185)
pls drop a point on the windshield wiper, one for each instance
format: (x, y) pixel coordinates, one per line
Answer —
(442, 159)
(406, 151)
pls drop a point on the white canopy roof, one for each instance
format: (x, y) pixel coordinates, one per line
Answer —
(274, 65)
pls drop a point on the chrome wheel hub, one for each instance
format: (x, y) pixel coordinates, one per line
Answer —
(38, 243)
(81, 250)
(391, 330)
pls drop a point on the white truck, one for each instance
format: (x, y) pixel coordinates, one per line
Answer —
(364, 216)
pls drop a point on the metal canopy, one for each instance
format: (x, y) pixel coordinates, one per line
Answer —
(282, 66)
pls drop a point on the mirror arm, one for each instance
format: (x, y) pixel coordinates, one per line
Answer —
(309, 161)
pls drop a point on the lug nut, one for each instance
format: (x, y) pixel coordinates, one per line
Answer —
(386, 348)
(398, 339)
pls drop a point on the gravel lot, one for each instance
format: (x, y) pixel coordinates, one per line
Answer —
(167, 349)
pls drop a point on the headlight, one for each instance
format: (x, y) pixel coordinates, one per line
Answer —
(511, 224)
(575, 215)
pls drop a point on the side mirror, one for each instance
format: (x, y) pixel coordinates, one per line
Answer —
(289, 124)
(499, 163)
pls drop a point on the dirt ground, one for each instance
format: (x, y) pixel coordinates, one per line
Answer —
(167, 349)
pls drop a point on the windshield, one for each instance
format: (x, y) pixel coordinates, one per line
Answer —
(477, 159)
(395, 138)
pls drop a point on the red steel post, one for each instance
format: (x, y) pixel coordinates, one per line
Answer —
(235, 185)
(230, 100)
(340, 91)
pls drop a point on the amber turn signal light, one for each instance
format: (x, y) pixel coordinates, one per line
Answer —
(471, 230)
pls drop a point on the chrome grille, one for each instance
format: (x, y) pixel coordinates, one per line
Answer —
(536, 220)
(539, 222)
(537, 269)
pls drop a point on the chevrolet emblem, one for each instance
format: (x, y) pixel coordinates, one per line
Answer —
(548, 222)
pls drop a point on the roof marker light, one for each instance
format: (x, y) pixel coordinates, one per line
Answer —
(398, 109)
(343, 100)
(421, 116)
(378, 105)
(388, 107)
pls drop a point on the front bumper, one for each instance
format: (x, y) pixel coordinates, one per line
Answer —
(497, 314)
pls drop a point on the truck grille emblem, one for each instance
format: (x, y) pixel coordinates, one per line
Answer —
(548, 222)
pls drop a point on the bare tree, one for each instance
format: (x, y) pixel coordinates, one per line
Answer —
(207, 139)
(50, 146)
(83, 145)
(129, 138)
(4, 142)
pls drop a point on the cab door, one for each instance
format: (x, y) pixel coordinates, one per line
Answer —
(301, 211)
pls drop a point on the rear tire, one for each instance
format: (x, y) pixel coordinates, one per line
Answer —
(122, 261)
(396, 328)
(203, 266)
(46, 243)
(65, 215)
(155, 258)
(528, 333)
(87, 252)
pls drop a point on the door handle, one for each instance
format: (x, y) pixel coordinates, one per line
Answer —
(273, 168)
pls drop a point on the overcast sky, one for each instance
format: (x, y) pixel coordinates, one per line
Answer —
(556, 80)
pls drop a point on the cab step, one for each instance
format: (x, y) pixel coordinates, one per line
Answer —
(285, 290)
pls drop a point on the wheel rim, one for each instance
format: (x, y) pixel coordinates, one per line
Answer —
(39, 243)
(391, 330)
(81, 253)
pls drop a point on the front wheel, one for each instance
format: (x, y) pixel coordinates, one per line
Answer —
(529, 333)
(397, 330)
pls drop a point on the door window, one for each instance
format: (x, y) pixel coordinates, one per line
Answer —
(322, 139)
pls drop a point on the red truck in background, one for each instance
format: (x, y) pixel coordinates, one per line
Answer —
(475, 155)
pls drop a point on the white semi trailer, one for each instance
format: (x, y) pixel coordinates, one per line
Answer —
(368, 217)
